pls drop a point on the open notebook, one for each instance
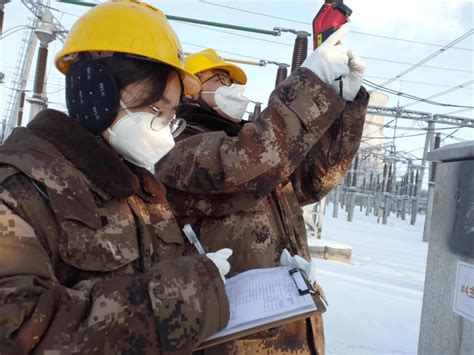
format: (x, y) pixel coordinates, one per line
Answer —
(260, 299)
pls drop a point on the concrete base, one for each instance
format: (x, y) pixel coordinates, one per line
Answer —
(320, 248)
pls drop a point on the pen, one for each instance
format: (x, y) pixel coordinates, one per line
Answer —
(192, 237)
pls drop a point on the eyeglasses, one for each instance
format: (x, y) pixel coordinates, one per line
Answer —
(223, 78)
(164, 117)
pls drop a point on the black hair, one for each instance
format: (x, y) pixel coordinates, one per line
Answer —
(129, 70)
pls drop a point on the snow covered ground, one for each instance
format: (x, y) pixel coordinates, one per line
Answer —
(374, 302)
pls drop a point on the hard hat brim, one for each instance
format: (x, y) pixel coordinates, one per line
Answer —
(191, 84)
(236, 74)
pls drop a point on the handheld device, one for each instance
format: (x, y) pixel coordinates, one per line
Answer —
(332, 15)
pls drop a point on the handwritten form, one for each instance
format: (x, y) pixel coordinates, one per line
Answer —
(262, 296)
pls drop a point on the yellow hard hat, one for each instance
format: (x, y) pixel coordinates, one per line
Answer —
(131, 27)
(208, 59)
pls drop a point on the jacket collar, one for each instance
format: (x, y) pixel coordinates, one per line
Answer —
(207, 120)
(89, 154)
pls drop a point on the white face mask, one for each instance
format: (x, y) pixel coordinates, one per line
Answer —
(133, 138)
(230, 100)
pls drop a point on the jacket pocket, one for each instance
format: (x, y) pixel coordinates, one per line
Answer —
(107, 248)
(166, 238)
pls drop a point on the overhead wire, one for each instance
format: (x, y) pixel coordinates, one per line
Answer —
(222, 51)
(458, 111)
(461, 86)
(55, 9)
(449, 135)
(423, 66)
(418, 82)
(8, 32)
(384, 137)
(309, 24)
(409, 96)
(453, 137)
(236, 34)
(414, 122)
(430, 57)
(398, 127)
(291, 45)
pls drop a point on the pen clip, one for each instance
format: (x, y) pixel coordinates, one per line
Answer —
(302, 284)
(193, 239)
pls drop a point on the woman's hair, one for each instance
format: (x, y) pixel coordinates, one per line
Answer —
(129, 70)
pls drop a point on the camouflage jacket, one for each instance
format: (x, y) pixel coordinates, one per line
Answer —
(90, 254)
(242, 187)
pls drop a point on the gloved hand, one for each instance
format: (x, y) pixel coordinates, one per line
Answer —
(330, 60)
(308, 267)
(352, 82)
(219, 258)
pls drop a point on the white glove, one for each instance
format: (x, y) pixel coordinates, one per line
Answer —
(352, 82)
(308, 267)
(219, 258)
(330, 60)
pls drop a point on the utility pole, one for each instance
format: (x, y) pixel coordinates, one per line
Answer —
(319, 226)
(335, 206)
(428, 140)
(45, 34)
(353, 188)
(431, 187)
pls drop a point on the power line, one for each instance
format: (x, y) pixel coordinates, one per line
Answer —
(55, 9)
(423, 66)
(433, 55)
(418, 82)
(11, 31)
(406, 128)
(310, 48)
(310, 24)
(453, 137)
(237, 34)
(440, 93)
(409, 96)
(398, 127)
(449, 135)
(221, 51)
(411, 135)
(459, 111)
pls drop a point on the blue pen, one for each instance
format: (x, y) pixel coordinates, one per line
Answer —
(193, 239)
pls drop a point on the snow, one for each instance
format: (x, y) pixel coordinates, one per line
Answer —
(375, 301)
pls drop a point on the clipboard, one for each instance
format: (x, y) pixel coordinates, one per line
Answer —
(250, 331)
(276, 296)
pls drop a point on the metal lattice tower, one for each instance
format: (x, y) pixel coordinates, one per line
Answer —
(20, 78)
(25, 58)
(39, 12)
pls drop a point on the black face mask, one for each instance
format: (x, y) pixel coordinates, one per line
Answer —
(92, 95)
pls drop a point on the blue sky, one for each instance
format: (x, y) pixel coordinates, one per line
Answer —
(434, 23)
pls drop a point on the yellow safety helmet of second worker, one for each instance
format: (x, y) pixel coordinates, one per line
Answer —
(208, 59)
(130, 27)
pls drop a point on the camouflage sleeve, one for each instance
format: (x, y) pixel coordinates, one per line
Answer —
(168, 311)
(265, 152)
(329, 159)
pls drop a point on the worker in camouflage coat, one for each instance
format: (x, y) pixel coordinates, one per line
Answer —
(91, 258)
(242, 185)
